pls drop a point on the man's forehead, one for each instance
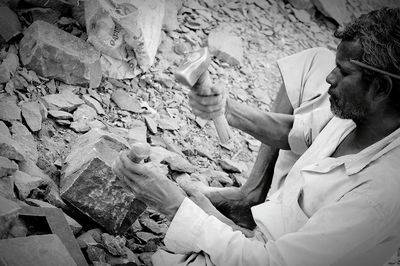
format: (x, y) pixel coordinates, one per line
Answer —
(348, 50)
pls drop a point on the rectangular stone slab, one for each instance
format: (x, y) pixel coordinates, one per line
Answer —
(44, 250)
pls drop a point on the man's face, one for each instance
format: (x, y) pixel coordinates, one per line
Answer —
(348, 91)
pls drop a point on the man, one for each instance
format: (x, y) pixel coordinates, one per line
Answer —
(340, 202)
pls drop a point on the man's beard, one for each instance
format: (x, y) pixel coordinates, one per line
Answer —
(355, 110)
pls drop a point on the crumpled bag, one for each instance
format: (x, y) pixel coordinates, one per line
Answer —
(119, 29)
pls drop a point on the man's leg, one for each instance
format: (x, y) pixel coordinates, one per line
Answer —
(234, 202)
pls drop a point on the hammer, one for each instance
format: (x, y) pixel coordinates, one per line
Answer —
(194, 70)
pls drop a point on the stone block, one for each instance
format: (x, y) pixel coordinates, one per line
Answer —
(225, 45)
(9, 111)
(8, 213)
(31, 114)
(24, 138)
(44, 250)
(89, 184)
(7, 167)
(65, 101)
(54, 53)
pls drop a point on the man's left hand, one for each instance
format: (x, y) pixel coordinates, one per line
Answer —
(149, 185)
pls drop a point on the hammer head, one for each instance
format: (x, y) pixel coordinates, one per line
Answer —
(193, 67)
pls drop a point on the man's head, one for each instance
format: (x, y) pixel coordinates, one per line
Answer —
(373, 39)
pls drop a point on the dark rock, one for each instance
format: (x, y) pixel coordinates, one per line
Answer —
(334, 9)
(31, 114)
(8, 213)
(90, 185)
(9, 23)
(45, 14)
(54, 53)
(7, 167)
(114, 244)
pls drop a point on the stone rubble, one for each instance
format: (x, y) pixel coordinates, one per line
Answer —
(65, 137)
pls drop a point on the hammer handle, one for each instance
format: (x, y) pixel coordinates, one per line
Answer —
(221, 125)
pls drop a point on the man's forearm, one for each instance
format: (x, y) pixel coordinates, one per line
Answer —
(268, 127)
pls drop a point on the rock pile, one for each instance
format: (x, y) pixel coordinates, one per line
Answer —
(68, 107)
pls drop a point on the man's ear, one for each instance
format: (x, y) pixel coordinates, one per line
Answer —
(381, 88)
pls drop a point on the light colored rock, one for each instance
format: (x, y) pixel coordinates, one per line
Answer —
(225, 45)
(137, 132)
(151, 124)
(167, 123)
(222, 177)
(8, 66)
(8, 213)
(61, 115)
(73, 224)
(7, 167)
(65, 101)
(94, 104)
(233, 166)
(170, 21)
(80, 126)
(9, 111)
(10, 149)
(7, 187)
(84, 113)
(126, 101)
(54, 53)
(26, 183)
(179, 164)
(334, 9)
(24, 138)
(31, 114)
(4, 130)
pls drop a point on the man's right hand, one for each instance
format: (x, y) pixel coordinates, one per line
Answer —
(208, 103)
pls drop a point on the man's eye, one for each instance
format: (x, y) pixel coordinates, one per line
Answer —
(344, 73)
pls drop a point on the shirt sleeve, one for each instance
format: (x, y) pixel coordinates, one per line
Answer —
(332, 234)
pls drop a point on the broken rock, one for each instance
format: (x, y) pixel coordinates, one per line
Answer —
(125, 101)
(233, 166)
(334, 9)
(54, 53)
(4, 130)
(7, 167)
(9, 111)
(94, 104)
(24, 138)
(180, 164)
(26, 183)
(90, 185)
(60, 115)
(226, 46)
(8, 67)
(10, 149)
(85, 113)
(31, 114)
(65, 101)
(8, 213)
(9, 23)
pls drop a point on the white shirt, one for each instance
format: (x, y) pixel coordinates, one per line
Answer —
(348, 212)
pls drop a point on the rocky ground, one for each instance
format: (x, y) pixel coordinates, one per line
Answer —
(58, 140)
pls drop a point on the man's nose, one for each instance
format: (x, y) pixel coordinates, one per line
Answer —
(331, 78)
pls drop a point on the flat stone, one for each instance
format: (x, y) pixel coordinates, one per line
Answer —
(94, 104)
(4, 130)
(61, 115)
(80, 126)
(63, 122)
(233, 166)
(65, 101)
(152, 226)
(90, 185)
(84, 113)
(7, 167)
(25, 139)
(7, 187)
(8, 213)
(10, 149)
(54, 53)
(301, 4)
(9, 23)
(31, 114)
(73, 224)
(226, 46)
(35, 250)
(137, 132)
(8, 67)
(334, 9)
(125, 101)
(179, 164)
(9, 111)
(168, 123)
(26, 183)
(151, 124)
